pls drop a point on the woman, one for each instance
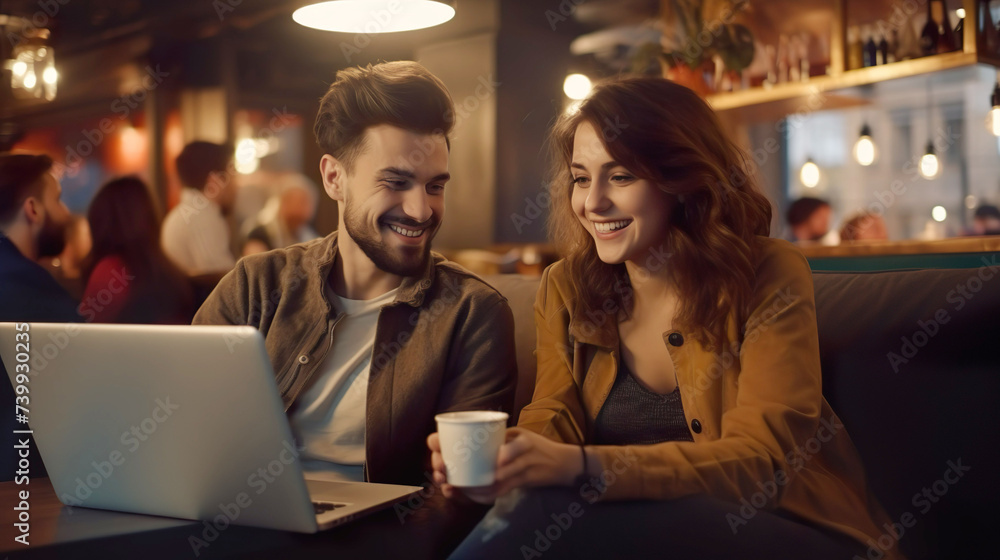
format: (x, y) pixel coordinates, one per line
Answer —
(130, 279)
(678, 409)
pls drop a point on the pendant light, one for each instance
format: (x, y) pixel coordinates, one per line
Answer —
(865, 151)
(374, 16)
(809, 174)
(930, 166)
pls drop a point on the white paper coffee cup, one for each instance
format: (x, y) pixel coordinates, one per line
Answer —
(470, 443)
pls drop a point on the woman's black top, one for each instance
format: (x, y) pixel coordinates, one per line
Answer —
(634, 415)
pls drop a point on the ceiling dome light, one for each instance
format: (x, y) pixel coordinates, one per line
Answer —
(930, 167)
(865, 151)
(809, 175)
(373, 16)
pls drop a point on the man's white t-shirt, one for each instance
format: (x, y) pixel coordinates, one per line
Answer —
(328, 417)
(195, 235)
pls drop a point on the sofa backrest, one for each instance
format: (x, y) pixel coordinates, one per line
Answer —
(910, 364)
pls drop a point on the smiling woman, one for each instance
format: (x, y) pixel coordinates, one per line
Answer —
(678, 377)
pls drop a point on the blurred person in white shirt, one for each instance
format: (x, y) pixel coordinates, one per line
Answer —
(196, 233)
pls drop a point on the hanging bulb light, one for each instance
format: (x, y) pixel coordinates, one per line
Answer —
(809, 175)
(930, 167)
(993, 118)
(865, 151)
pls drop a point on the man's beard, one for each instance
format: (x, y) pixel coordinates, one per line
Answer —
(405, 261)
(52, 238)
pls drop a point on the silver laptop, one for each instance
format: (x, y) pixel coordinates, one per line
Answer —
(178, 421)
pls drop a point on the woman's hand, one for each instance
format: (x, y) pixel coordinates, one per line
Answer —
(526, 459)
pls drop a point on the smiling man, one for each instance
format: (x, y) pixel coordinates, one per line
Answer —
(370, 333)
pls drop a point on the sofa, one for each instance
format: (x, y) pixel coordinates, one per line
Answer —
(909, 361)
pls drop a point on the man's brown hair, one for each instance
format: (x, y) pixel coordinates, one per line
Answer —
(20, 177)
(199, 159)
(403, 94)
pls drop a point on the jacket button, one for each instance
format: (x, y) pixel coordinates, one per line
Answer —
(696, 426)
(303, 359)
(675, 339)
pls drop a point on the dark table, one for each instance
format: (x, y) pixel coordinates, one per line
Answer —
(431, 529)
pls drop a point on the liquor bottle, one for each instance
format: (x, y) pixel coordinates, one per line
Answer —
(893, 47)
(946, 36)
(804, 58)
(909, 45)
(883, 50)
(871, 49)
(989, 39)
(960, 34)
(782, 59)
(855, 50)
(929, 35)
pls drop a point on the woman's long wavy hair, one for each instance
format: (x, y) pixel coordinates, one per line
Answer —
(125, 222)
(664, 133)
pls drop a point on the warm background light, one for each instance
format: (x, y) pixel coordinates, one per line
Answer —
(577, 86)
(939, 213)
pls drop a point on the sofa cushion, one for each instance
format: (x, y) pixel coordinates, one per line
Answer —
(909, 364)
(520, 291)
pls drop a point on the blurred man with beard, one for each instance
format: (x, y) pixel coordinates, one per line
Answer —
(369, 332)
(33, 223)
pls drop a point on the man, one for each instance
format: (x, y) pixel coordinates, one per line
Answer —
(196, 233)
(370, 334)
(864, 226)
(809, 220)
(296, 208)
(986, 220)
(33, 222)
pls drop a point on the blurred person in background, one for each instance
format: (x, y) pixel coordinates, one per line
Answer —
(809, 221)
(130, 278)
(196, 232)
(986, 220)
(67, 267)
(864, 226)
(33, 223)
(287, 217)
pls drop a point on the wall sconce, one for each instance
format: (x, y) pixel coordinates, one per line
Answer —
(374, 16)
(32, 63)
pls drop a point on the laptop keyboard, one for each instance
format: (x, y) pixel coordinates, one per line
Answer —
(323, 507)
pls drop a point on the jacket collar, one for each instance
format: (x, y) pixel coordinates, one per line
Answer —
(412, 290)
(588, 331)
